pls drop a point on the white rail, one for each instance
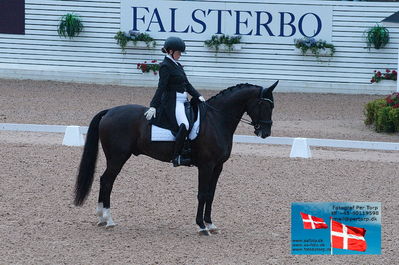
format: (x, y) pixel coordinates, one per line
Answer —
(300, 146)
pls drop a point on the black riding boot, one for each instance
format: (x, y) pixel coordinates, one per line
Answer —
(180, 160)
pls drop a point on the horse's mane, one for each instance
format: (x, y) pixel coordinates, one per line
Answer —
(229, 90)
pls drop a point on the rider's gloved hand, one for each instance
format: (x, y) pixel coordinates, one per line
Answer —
(201, 98)
(151, 112)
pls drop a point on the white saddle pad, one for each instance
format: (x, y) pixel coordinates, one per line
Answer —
(161, 134)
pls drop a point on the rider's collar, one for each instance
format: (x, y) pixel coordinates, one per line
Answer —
(173, 60)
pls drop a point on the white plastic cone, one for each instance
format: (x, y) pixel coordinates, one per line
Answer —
(73, 137)
(300, 148)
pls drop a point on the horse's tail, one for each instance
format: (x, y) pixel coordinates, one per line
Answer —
(88, 162)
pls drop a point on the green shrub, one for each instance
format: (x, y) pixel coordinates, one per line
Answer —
(371, 110)
(383, 114)
(383, 122)
(394, 117)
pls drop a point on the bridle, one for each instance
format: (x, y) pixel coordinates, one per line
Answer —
(257, 124)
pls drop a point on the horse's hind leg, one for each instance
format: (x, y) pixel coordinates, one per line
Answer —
(107, 180)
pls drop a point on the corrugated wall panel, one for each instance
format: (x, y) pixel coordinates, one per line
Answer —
(96, 51)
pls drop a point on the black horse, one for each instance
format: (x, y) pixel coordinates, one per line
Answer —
(124, 131)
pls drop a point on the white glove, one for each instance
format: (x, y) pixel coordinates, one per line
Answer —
(150, 113)
(201, 98)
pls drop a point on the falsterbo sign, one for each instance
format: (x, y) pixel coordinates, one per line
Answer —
(196, 20)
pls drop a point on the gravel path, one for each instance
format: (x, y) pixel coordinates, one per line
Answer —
(154, 204)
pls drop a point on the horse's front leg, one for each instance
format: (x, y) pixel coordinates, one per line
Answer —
(208, 204)
(204, 194)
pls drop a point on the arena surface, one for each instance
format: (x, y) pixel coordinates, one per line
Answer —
(154, 204)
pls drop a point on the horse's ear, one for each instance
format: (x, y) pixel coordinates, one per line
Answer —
(269, 90)
(273, 86)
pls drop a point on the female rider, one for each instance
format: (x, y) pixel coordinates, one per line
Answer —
(167, 105)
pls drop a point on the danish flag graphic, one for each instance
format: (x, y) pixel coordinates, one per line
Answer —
(347, 237)
(312, 222)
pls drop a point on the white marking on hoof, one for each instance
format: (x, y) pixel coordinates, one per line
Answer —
(204, 232)
(99, 210)
(212, 228)
(108, 218)
(100, 213)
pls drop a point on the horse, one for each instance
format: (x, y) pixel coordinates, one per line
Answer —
(123, 131)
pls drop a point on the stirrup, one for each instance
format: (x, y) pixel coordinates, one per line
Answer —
(181, 161)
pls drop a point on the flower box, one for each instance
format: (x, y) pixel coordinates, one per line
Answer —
(151, 67)
(310, 46)
(321, 53)
(139, 44)
(225, 48)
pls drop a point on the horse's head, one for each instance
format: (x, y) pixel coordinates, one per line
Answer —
(260, 110)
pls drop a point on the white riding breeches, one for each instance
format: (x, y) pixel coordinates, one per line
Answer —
(180, 112)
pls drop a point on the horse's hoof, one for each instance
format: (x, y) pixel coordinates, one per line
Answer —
(110, 225)
(101, 223)
(212, 229)
(204, 232)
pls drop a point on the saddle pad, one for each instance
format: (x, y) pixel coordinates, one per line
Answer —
(161, 134)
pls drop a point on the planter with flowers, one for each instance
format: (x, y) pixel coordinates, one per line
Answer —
(311, 46)
(224, 43)
(388, 75)
(149, 69)
(383, 114)
(134, 39)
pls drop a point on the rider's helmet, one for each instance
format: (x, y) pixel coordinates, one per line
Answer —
(174, 44)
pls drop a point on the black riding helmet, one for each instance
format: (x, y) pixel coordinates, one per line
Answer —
(174, 44)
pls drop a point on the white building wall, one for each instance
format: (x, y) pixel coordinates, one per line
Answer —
(95, 57)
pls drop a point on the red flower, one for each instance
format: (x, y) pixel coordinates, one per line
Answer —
(379, 74)
(154, 61)
(395, 106)
(389, 100)
(394, 72)
(388, 71)
(372, 80)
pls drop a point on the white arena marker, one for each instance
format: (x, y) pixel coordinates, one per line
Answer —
(73, 137)
(300, 148)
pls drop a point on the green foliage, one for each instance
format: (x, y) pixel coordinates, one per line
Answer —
(315, 46)
(136, 36)
(383, 122)
(216, 41)
(371, 109)
(394, 116)
(383, 114)
(70, 26)
(122, 39)
(377, 36)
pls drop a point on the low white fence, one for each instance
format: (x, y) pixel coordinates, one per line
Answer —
(73, 136)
